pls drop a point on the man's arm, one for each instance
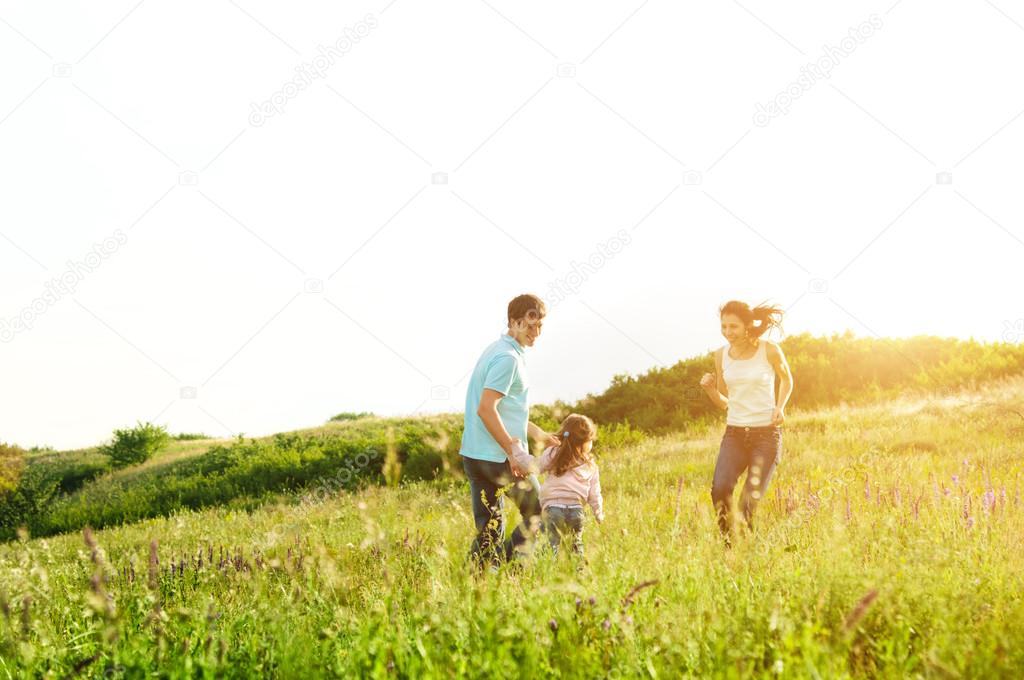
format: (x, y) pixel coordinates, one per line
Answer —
(519, 459)
(488, 412)
(540, 435)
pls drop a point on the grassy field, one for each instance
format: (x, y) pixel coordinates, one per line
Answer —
(885, 548)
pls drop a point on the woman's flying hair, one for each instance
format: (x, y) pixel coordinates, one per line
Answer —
(758, 320)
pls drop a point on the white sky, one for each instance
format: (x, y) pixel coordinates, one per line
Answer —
(208, 291)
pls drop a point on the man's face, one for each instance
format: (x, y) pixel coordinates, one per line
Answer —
(527, 330)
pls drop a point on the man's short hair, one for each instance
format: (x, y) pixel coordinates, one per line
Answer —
(529, 307)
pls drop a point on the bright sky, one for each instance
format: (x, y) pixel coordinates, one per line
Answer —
(231, 266)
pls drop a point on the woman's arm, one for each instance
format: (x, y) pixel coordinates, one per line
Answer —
(714, 385)
(778, 361)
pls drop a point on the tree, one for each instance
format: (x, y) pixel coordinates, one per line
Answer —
(136, 445)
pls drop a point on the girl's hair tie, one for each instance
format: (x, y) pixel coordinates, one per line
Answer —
(565, 434)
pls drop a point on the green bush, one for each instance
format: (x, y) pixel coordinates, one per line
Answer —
(618, 435)
(136, 445)
(426, 465)
(34, 493)
(341, 417)
(12, 461)
(549, 417)
(42, 481)
(190, 436)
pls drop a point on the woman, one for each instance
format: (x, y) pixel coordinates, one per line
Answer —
(744, 385)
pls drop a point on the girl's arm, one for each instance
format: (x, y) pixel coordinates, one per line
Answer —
(714, 385)
(778, 361)
(594, 497)
(544, 462)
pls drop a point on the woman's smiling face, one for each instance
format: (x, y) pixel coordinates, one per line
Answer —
(733, 328)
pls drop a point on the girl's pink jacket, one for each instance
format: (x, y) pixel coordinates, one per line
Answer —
(580, 485)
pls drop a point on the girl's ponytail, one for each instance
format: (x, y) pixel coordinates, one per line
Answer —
(575, 432)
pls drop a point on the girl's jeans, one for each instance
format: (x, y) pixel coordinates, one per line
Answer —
(757, 449)
(565, 523)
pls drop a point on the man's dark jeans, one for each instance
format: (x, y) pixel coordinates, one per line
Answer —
(486, 478)
(756, 448)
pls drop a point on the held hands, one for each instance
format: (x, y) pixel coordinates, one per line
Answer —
(520, 460)
(778, 417)
(708, 382)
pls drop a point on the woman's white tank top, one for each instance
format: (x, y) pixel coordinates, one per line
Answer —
(751, 384)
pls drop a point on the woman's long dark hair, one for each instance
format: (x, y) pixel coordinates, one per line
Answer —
(575, 432)
(758, 320)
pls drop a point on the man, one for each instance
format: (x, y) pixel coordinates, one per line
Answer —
(497, 422)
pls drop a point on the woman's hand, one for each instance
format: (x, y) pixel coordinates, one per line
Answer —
(778, 416)
(708, 381)
(552, 439)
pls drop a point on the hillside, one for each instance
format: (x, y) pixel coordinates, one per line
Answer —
(55, 492)
(887, 547)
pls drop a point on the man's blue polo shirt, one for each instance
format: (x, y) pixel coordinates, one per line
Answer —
(502, 368)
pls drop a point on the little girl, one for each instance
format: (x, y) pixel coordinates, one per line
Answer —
(572, 479)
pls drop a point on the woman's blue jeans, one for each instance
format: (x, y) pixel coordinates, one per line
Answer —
(756, 450)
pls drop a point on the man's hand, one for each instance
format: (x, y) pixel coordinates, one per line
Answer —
(537, 434)
(778, 416)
